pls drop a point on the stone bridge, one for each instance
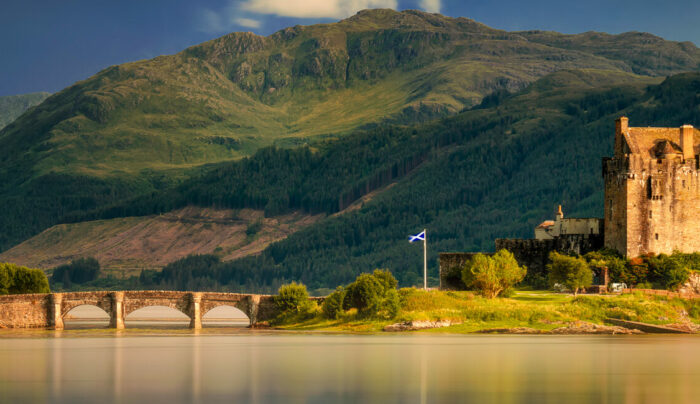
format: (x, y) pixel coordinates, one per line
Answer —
(48, 310)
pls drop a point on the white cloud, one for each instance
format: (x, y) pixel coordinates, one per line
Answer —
(227, 19)
(210, 22)
(431, 6)
(247, 22)
(315, 8)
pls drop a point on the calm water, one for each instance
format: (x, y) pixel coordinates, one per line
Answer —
(238, 366)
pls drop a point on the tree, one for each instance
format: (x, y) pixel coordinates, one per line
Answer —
(333, 304)
(80, 270)
(572, 272)
(15, 279)
(373, 295)
(493, 275)
(292, 298)
(5, 279)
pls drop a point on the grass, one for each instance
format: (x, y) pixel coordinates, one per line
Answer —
(538, 310)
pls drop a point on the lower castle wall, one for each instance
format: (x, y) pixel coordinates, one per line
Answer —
(534, 254)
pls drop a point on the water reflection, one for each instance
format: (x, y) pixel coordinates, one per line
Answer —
(263, 368)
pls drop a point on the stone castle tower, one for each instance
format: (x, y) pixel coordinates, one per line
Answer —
(652, 190)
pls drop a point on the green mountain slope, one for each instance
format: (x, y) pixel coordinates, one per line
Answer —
(12, 106)
(494, 171)
(227, 97)
(139, 128)
(487, 173)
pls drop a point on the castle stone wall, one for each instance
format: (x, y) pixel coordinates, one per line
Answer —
(652, 191)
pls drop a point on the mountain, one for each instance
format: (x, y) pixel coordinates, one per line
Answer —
(12, 106)
(142, 128)
(496, 170)
(486, 173)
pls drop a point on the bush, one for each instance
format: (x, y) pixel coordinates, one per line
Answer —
(572, 272)
(15, 279)
(670, 271)
(373, 295)
(391, 305)
(365, 294)
(333, 304)
(292, 298)
(493, 275)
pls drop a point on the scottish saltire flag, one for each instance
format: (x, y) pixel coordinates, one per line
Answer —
(417, 237)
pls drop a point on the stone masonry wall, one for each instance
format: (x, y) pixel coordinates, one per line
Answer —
(48, 310)
(24, 311)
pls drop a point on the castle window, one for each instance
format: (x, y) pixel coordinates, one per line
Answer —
(649, 188)
(649, 214)
(683, 183)
(659, 161)
(656, 236)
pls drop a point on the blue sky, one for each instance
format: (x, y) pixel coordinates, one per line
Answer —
(48, 45)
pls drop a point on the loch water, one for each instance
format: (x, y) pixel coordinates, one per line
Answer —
(237, 365)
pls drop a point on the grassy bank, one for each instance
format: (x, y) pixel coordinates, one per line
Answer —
(533, 309)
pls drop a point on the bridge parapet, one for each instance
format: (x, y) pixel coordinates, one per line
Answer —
(48, 310)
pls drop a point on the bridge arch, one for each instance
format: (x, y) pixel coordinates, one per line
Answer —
(84, 315)
(70, 302)
(156, 315)
(224, 313)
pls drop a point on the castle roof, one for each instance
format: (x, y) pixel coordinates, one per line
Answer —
(546, 224)
(647, 141)
(664, 147)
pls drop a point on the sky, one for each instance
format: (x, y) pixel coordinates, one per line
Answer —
(47, 45)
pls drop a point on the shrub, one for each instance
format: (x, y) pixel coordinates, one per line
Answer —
(391, 305)
(386, 279)
(292, 298)
(333, 304)
(494, 275)
(572, 272)
(373, 295)
(365, 294)
(670, 271)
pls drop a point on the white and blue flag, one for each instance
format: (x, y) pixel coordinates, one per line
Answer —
(417, 237)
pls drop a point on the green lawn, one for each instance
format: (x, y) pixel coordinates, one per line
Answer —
(538, 310)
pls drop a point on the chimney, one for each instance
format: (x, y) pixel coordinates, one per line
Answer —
(621, 127)
(687, 143)
(560, 214)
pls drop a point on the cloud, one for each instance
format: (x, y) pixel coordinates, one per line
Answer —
(247, 22)
(210, 22)
(316, 8)
(225, 20)
(431, 6)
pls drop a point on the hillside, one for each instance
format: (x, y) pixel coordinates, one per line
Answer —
(227, 97)
(12, 106)
(124, 246)
(142, 128)
(493, 171)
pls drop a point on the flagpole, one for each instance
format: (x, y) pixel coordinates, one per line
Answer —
(425, 259)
